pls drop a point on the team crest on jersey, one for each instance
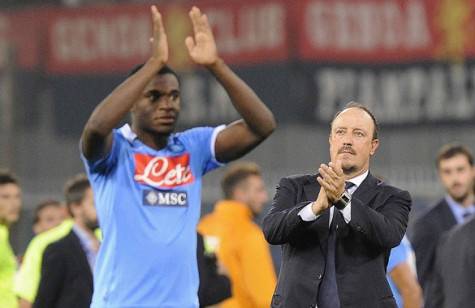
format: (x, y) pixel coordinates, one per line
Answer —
(164, 172)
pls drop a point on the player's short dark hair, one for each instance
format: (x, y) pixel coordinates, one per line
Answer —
(453, 149)
(75, 189)
(236, 174)
(7, 177)
(41, 206)
(163, 71)
(365, 109)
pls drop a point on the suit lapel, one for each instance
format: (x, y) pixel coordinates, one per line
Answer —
(447, 217)
(311, 188)
(80, 256)
(366, 191)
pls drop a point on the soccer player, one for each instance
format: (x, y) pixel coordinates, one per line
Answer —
(147, 179)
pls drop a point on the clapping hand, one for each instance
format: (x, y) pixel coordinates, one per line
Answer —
(201, 46)
(159, 39)
(332, 180)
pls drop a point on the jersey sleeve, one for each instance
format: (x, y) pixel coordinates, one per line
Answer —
(107, 163)
(399, 254)
(203, 141)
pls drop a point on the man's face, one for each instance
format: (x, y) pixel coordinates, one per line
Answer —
(351, 140)
(49, 217)
(457, 177)
(253, 193)
(10, 203)
(157, 110)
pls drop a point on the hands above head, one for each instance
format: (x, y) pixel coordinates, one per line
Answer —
(201, 46)
(159, 40)
(332, 180)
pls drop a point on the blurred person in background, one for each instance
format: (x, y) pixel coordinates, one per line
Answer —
(48, 214)
(240, 243)
(215, 285)
(66, 270)
(147, 178)
(453, 283)
(28, 277)
(10, 206)
(457, 175)
(402, 276)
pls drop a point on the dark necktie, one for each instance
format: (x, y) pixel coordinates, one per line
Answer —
(466, 215)
(328, 292)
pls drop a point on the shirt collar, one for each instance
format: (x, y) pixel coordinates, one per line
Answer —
(458, 210)
(357, 180)
(84, 238)
(128, 133)
(173, 144)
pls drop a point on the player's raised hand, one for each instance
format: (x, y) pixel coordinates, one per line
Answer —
(201, 46)
(159, 39)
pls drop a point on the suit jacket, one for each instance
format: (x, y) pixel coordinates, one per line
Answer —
(453, 284)
(66, 277)
(427, 231)
(379, 215)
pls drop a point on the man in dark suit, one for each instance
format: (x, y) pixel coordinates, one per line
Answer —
(66, 273)
(454, 273)
(456, 173)
(336, 228)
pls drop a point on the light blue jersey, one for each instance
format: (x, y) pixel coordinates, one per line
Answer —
(399, 254)
(148, 204)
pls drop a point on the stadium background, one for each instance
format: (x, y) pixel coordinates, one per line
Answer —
(411, 61)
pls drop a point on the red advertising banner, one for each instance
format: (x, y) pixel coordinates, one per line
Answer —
(4, 29)
(20, 38)
(385, 31)
(114, 38)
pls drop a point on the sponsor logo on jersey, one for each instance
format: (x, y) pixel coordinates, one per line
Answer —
(165, 198)
(163, 172)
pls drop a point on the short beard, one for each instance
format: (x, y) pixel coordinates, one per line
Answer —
(349, 170)
(91, 224)
(460, 199)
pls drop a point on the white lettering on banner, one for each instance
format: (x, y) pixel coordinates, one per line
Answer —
(258, 27)
(366, 26)
(86, 39)
(400, 95)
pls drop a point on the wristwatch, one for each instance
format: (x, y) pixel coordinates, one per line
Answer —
(343, 201)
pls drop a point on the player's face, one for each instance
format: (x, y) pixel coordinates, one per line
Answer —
(157, 110)
(255, 194)
(10, 203)
(457, 177)
(49, 217)
(351, 140)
